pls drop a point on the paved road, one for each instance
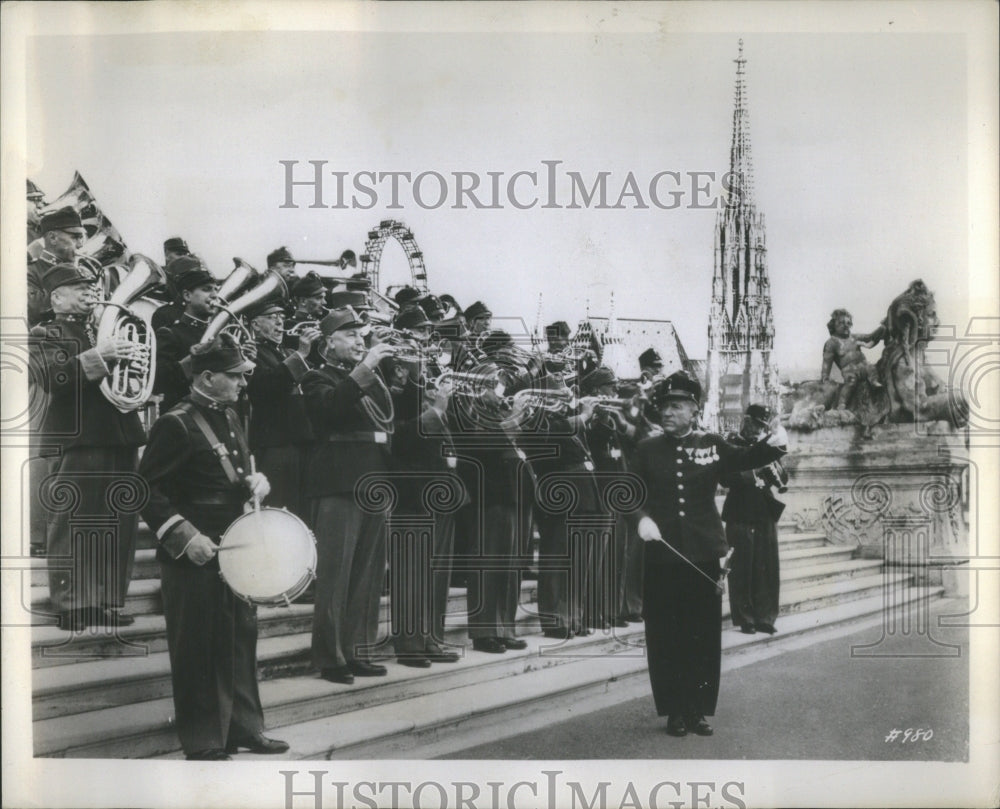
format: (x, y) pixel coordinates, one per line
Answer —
(817, 702)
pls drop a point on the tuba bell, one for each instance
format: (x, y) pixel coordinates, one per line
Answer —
(130, 383)
(272, 285)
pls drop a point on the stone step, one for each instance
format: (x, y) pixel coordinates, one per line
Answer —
(792, 541)
(143, 598)
(828, 572)
(145, 567)
(811, 597)
(406, 728)
(807, 557)
(50, 646)
(145, 729)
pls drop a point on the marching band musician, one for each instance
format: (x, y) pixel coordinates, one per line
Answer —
(97, 447)
(650, 364)
(492, 467)
(562, 589)
(197, 465)
(308, 299)
(279, 433)
(682, 597)
(478, 318)
(608, 435)
(173, 249)
(557, 336)
(62, 235)
(351, 413)
(751, 513)
(197, 288)
(422, 448)
(282, 261)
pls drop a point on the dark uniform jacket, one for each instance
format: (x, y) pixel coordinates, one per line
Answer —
(278, 407)
(189, 491)
(681, 477)
(555, 446)
(747, 502)
(349, 444)
(173, 364)
(66, 378)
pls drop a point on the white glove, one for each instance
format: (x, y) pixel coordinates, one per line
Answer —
(259, 485)
(649, 530)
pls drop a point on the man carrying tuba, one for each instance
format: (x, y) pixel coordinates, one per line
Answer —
(97, 446)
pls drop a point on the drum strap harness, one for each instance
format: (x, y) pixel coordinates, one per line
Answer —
(219, 446)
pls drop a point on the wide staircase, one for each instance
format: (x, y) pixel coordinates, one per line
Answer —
(106, 694)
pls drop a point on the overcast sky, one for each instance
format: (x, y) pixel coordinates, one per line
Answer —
(859, 147)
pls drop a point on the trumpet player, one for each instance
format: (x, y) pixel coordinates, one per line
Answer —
(680, 524)
(279, 432)
(351, 412)
(96, 447)
(308, 298)
(751, 513)
(197, 289)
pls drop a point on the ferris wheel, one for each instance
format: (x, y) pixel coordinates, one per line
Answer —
(372, 257)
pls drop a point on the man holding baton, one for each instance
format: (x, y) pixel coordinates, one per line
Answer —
(682, 602)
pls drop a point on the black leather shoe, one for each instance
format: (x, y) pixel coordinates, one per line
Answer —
(748, 629)
(108, 616)
(213, 754)
(258, 743)
(621, 623)
(74, 620)
(492, 645)
(413, 661)
(514, 643)
(557, 634)
(634, 618)
(676, 726)
(438, 655)
(341, 674)
(582, 633)
(362, 668)
(768, 628)
(697, 724)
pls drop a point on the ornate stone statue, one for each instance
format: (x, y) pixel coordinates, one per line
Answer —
(913, 390)
(843, 349)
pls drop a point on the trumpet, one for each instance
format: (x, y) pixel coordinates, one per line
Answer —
(552, 401)
(408, 349)
(468, 383)
(301, 326)
(629, 406)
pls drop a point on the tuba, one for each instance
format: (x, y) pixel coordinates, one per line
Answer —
(228, 320)
(130, 383)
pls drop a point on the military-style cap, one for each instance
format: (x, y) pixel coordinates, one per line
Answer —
(338, 300)
(761, 413)
(432, 307)
(558, 329)
(650, 358)
(407, 295)
(345, 318)
(193, 278)
(601, 375)
(679, 385)
(221, 355)
(266, 308)
(411, 317)
(63, 275)
(308, 285)
(177, 245)
(477, 309)
(278, 256)
(182, 264)
(64, 219)
(495, 340)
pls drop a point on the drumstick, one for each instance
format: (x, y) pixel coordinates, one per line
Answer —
(234, 546)
(253, 471)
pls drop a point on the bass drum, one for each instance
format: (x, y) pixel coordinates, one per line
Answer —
(268, 557)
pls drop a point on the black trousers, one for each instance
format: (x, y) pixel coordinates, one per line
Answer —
(212, 639)
(754, 574)
(419, 573)
(350, 550)
(494, 586)
(284, 468)
(683, 614)
(93, 521)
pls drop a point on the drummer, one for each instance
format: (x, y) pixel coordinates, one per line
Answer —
(195, 493)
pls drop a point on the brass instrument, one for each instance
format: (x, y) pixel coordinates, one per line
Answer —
(629, 406)
(130, 383)
(468, 383)
(241, 277)
(552, 401)
(228, 320)
(774, 474)
(407, 348)
(301, 326)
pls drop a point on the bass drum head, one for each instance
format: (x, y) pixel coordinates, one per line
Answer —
(268, 556)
